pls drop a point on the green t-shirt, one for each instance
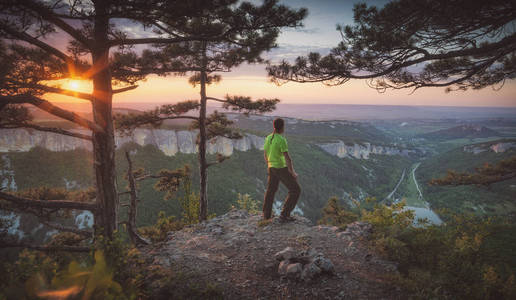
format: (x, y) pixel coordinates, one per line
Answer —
(275, 145)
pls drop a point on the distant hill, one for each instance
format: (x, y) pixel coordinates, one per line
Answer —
(462, 131)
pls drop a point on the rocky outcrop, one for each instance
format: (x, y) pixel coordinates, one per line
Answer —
(242, 254)
(497, 147)
(168, 141)
(361, 151)
(502, 147)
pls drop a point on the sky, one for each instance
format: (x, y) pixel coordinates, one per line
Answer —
(319, 34)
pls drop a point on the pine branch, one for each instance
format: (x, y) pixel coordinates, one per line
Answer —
(246, 105)
(51, 108)
(59, 204)
(65, 92)
(47, 129)
(155, 117)
(48, 15)
(34, 41)
(156, 40)
(125, 89)
(85, 233)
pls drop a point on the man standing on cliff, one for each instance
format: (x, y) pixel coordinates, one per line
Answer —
(280, 168)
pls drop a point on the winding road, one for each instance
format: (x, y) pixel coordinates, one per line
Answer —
(415, 181)
(395, 188)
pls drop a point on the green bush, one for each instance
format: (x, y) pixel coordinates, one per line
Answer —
(189, 204)
(337, 215)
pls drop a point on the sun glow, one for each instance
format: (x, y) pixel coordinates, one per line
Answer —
(77, 85)
(74, 85)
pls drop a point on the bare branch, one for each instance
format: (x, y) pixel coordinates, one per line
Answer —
(125, 89)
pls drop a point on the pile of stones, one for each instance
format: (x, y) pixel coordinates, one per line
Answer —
(303, 265)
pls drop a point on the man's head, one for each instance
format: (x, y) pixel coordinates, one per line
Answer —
(279, 125)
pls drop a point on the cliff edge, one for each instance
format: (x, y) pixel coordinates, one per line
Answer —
(248, 259)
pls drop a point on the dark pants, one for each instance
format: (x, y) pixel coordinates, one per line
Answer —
(294, 190)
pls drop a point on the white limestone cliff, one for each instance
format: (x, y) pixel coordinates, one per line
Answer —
(169, 141)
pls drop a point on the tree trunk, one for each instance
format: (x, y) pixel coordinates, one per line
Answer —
(203, 166)
(136, 239)
(103, 142)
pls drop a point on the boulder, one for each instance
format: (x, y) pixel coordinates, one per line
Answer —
(285, 254)
(294, 270)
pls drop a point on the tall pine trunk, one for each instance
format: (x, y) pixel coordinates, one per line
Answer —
(103, 142)
(203, 166)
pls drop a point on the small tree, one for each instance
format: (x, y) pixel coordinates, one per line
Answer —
(168, 181)
(417, 43)
(233, 35)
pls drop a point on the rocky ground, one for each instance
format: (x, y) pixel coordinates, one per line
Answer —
(243, 257)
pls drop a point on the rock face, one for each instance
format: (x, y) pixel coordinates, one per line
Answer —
(248, 258)
(361, 151)
(23, 140)
(169, 141)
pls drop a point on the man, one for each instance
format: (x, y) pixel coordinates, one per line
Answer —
(280, 168)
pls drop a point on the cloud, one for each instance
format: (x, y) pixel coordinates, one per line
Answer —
(290, 52)
(313, 30)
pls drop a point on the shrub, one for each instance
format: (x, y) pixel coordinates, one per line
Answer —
(335, 214)
(246, 202)
(158, 232)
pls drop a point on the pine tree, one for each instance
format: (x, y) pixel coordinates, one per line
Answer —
(411, 44)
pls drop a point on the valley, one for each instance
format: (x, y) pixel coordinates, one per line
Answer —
(391, 160)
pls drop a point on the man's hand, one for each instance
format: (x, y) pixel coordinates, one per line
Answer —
(289, 164)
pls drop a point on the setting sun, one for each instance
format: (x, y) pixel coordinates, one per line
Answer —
(74, 85)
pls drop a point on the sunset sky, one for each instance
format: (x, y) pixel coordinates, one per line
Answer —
(318, 35)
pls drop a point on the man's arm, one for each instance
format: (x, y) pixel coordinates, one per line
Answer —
(290, 167)
(265, 157)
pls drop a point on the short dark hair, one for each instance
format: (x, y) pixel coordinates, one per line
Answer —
(278, 124)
